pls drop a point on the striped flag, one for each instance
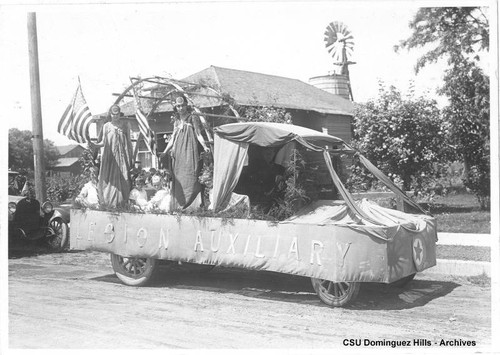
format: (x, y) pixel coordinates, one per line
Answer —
(146, 132)
(77, 118)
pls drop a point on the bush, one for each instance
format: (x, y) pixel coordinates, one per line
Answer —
(403, 136)
(60, 189)
(479, 183)
(290, 195)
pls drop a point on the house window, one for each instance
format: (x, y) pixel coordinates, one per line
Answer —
(144, 155)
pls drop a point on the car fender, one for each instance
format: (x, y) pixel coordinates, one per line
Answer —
(63, 211)
(55, 215)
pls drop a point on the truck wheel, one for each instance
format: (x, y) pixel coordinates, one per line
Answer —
(335, 294)
(57, 234)
(404, 281)
(133, 271)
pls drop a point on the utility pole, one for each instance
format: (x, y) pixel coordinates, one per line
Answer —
(36, 109)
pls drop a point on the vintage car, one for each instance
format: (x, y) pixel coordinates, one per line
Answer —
(335, 240)
(48, 222)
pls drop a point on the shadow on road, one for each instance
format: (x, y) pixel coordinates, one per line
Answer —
(21, 249)
(290, 288)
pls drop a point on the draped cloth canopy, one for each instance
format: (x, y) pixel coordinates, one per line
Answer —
(231, 151)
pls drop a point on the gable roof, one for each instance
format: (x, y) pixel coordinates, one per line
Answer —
(255, 89)
(249, 88)
(65, 162)
(65, 149)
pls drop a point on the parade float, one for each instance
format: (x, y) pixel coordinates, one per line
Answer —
(337, 242)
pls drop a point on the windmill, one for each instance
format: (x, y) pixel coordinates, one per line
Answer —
(340, 44)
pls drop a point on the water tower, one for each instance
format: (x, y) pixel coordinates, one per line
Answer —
(340, 44)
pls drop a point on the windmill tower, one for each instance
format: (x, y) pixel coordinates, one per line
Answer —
(339, 42)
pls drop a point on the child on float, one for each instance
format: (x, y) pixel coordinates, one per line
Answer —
(138, 196)
(88, 196)
(162, 200)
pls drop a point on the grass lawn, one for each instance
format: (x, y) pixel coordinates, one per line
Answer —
(460, 213)
(463, 252)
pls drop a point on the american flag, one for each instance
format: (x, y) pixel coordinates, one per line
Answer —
(146, 132)
(76, 119)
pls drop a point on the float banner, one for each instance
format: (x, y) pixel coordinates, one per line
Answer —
(330, 252)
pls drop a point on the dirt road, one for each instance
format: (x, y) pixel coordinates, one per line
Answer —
(73, 300)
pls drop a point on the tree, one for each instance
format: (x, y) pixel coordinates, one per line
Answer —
(21, 150)
(459, 34)
(454, 32)
(468, 113)
(402, 136)
(256, 112)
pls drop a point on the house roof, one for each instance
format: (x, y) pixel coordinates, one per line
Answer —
(256, 89)
(249, 88)
(65, 162)
(65, 149)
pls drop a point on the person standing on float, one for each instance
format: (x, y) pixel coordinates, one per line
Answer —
(183, 146)
(116, 160)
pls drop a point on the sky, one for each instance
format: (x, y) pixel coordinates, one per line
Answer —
(104, 45)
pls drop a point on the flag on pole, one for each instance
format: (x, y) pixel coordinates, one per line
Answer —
(76, 119)
(145, 130)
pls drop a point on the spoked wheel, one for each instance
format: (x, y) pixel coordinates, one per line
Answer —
(404, 281)
(57, 235)
(335, 294)
(133, 271)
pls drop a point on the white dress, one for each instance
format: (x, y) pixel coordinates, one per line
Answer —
(161, 201)
(139, 197)
(88, 197)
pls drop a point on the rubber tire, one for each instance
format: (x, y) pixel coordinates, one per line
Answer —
(404, 281)
(349, 292)
(141, 278)
(61, 230)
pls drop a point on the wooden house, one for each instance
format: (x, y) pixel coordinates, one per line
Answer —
(67, 164)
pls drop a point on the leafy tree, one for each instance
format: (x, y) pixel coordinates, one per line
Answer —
(452, 32)
(21, 150)
(468, 114)
(258, 113)
(459, 34)
(403, 136)
(266, 114)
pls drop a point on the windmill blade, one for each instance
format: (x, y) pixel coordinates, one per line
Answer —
(338, 39)
(330, 39)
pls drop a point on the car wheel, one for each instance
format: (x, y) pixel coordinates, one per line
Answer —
(335, 294)
(133, 271)
(58, 234)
